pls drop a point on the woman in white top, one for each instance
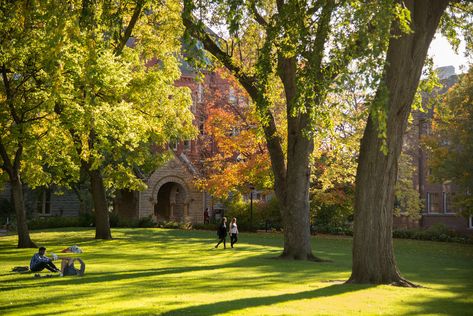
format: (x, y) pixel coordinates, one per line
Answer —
(233, 232)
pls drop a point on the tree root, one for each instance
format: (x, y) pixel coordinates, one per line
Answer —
(401, 282)
(405, 283)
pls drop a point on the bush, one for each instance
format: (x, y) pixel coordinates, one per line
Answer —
(174, 225)
(200, 226)
(331, 215)
(265, 214)
(86, 219)
(437, 232)
(144, 222)
(333, 230)
(54, 222)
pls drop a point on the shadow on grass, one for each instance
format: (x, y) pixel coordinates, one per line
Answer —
(227, 306)
(276, 269)
(460, 304)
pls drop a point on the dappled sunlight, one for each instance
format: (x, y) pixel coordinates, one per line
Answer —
(173, 272)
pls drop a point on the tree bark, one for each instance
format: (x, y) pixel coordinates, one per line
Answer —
(24, 240)
(292, 188)
(102, 223)
(373, 254)
(295, 204)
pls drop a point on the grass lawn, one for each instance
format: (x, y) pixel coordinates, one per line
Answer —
(173, 272)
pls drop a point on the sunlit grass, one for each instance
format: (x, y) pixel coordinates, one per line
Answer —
(172, 272)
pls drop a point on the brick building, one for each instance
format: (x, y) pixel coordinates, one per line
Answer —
(438, 207)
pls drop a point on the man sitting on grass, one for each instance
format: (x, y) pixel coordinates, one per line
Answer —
(39, 261)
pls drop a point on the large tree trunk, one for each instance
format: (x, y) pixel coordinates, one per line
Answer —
(295, 206)
(373, 255)
(292, 186)
(102, 223)
(24, 240)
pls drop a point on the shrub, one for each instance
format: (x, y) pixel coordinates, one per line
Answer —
(146, 222)
(333, 230)
(437, 232)
(265, 214)
(87, 219)
(331, 215)
(174, 225)
(53, 222)
(200, 226)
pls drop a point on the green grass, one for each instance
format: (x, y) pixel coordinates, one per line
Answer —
(172, 272)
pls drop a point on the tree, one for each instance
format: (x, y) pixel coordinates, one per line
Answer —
(373, 255)
(450, 145)
(119, 62)
(32, 145)
(307, 47)
(235, 154)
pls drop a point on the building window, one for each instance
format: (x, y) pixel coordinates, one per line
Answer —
(433, 202)
(44, 202)
(193, 106)
(448, 198)
(173, 145)
(202, 125)
(200, 93)
(231, 95)
(187, 145)
(470, 222)
(202, 128)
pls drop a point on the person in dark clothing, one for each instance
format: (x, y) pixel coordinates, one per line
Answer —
(222, 233)
(206, 216)
(40, 262)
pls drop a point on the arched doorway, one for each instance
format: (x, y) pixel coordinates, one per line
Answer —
(171, 202)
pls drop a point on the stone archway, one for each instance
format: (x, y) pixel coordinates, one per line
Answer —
(171, 200)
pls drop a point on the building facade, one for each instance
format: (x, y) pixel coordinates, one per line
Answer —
(438, 207)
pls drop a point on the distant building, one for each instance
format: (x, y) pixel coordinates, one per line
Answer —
(438, 206)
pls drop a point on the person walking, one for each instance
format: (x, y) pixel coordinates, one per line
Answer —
(222, 233)
(233, 232)
(206, 216)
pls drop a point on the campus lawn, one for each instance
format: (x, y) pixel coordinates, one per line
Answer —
(173, 272)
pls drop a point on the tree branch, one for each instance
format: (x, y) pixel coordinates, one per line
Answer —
(9, 95)
(323, 29)
(258, 17)
(193, 27)
(129, 28)
(7, 165)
